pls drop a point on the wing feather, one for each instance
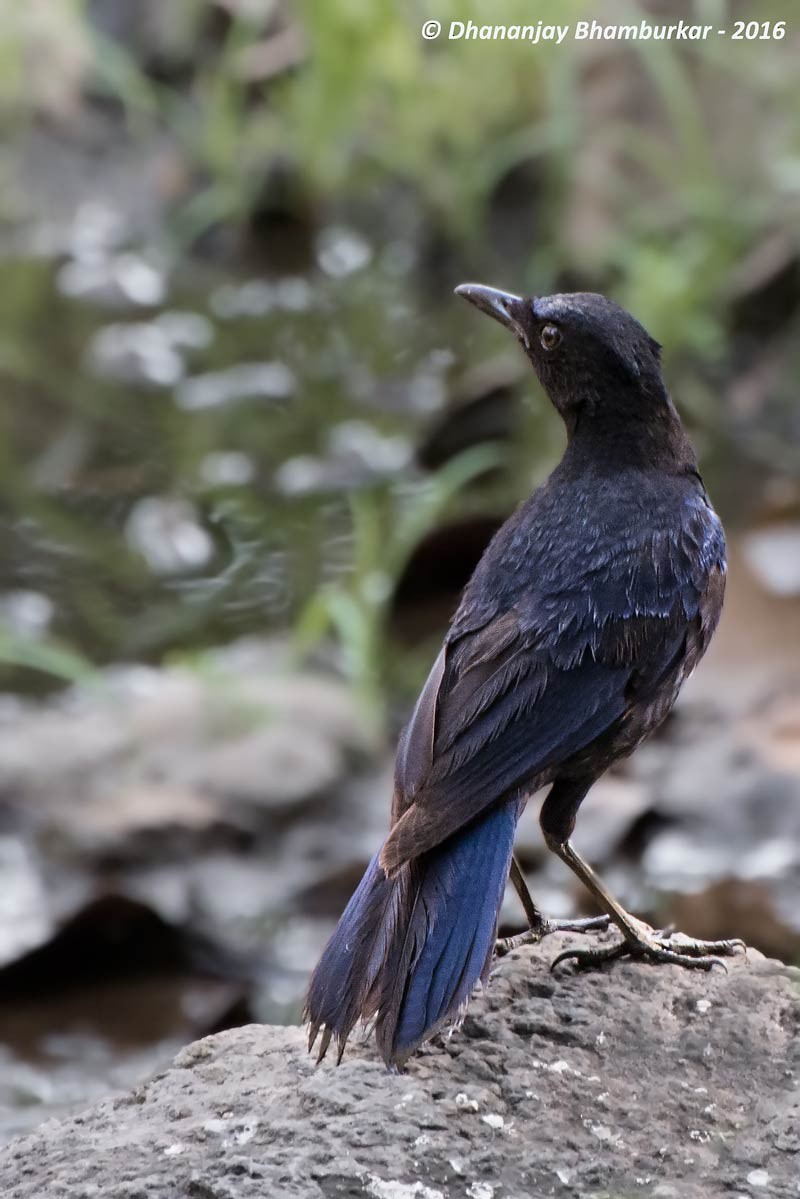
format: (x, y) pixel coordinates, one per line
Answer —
(515, 694)
(535, 724)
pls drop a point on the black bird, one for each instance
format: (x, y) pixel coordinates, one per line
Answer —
(588, 610)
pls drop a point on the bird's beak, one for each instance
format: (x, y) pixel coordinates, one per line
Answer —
(503, 306)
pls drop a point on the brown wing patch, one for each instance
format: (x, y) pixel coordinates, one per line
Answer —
(702, 629)
(415, 751)
(711, 604)
(467, 676)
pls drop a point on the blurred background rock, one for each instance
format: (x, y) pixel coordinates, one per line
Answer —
(251, 449)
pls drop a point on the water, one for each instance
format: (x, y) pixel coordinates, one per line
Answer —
(177, 445)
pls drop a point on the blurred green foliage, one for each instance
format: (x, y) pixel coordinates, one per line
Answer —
(388, 525)
(652, 170)
(371, 103)
(448, 117)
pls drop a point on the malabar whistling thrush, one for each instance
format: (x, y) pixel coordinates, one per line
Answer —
(588, 610)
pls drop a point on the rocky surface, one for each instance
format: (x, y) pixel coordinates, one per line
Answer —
(637, 1080)
(158, 783)
(204, 800)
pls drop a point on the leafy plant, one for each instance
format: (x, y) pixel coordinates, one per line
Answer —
(45, 655)
(387, 525)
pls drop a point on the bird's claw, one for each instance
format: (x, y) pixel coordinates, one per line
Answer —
(652, 946)
(534, 935)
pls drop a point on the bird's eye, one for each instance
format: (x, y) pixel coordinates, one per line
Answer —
(550, 337)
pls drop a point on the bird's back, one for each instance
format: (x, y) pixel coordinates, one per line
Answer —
(594, 547)
(588, 610)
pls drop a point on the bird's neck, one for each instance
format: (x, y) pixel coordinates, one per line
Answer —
(644, 432)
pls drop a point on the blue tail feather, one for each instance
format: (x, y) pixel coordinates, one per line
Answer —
(454, 922)
(409, 950)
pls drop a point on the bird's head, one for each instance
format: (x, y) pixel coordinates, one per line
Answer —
(589, 353)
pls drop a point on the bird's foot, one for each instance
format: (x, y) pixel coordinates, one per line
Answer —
(642, 941)
(544, 927)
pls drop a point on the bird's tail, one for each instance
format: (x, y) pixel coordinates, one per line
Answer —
(410, 948)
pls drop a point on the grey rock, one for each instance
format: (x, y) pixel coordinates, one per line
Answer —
(113, 765)
(218, 792)
(634, 1081)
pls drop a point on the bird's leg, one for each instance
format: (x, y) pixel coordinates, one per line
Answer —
(640, 940)
(540, 925)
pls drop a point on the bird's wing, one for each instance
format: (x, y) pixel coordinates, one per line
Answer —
(494, 713)
(506, 703)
